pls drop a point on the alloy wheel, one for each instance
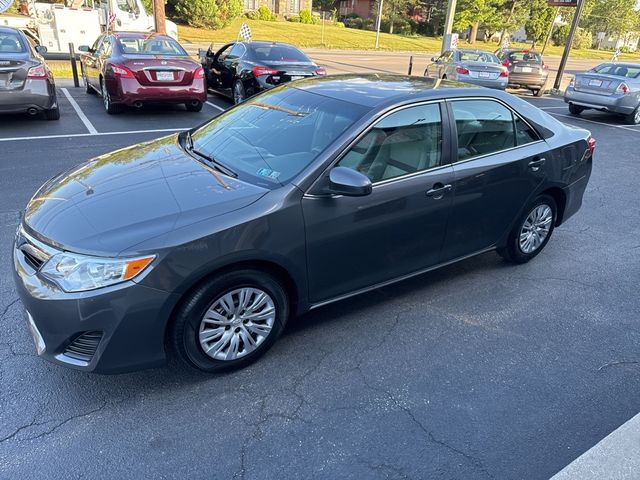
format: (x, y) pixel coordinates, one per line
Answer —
(237, 323)
(238, 93)
(536, 228)
(105, 97)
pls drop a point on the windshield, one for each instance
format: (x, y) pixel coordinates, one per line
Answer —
(10, 43)
(278, 54)
(478, 57)
(270, 139)
(150, 46)
(628, 71)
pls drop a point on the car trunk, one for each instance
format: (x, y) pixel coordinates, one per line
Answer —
(13, 71)
(288, 71)
(161, 72)
(483, 70)
(597, 83)
(523, 67)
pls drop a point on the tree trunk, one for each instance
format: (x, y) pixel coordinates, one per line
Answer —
(504, 30)
(474, 33)
(391, 25)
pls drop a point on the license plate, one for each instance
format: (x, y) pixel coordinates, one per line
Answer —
(595, 83)
(484, 75)
(527, 70)
(164, 76)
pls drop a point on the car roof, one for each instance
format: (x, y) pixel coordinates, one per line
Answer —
(9, 29)
(265, 43)
(381, 90)
(139, 35)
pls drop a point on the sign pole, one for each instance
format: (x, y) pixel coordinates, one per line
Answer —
(567, 47)
(378, 23)
(448, 26)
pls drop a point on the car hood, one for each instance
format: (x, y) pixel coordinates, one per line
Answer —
(120, 199)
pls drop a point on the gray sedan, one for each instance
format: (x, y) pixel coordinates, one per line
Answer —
(26, 83)
(610, 87)
(470, 66)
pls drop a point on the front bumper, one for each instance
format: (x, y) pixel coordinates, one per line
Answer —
(129, 91)
(623, 104)
(36, 93)
(125, 323)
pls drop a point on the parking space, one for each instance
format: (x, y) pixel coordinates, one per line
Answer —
(478, 370)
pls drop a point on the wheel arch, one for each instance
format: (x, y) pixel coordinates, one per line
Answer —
(561, 202)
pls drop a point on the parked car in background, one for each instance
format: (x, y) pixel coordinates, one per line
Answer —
(470, 66)
(526, 69)
(208, 240)
(26, 83)
(239, 70)
(131, 69)
(610, 87)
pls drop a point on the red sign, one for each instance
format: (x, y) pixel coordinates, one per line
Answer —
(563, 3)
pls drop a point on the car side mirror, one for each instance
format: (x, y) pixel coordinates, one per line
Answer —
(41, 49)
(84, 48)
(345, 181)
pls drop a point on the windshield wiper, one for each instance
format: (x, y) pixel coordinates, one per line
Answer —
(221, 167)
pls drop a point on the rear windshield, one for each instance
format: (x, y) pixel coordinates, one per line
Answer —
(10, 42)
(273, 137)
(628, 71)
(278, 54)
(525, 57)
(150, 46)
(478, 57)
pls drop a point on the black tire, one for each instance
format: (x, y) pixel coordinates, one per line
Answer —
(538, 93)
(239, 93)
(183, 336)
(53, 113)
(634, 117)
(575, 109)
(87, 88)
(109, 106)
(194, 107)
(512, 251)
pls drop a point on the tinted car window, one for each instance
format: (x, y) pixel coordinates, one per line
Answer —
(628, 71)
(278, 53)
(402, 143)
(531, 57)
(484, 127)
(150, 46)
(524, 133)
(271, 138)
(11, 42)
(237, 51)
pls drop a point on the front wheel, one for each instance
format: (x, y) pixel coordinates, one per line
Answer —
(239, 94)
(532, 231)
(193, 106)
(230, 321)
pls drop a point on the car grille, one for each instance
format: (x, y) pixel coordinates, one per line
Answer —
(84, 346)
(35, 252)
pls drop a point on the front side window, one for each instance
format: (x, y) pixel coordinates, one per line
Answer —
(237, 51)
(484, 127)
(272, 137)
(405, 142)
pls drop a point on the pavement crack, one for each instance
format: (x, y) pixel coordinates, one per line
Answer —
(8, 306)
(617, 363)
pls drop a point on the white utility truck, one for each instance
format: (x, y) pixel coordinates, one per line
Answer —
(55, 25)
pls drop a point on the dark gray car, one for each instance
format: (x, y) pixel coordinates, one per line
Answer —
(208, 241)
(26, 83)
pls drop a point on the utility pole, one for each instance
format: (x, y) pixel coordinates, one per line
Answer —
(448, 26)
(567, 47)
(159, 17)
(378, 23)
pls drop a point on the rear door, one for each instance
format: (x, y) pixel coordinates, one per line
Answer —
(500, 163)
(357, 242)
(15, 61)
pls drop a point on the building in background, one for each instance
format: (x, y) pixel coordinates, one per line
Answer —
(284, 8)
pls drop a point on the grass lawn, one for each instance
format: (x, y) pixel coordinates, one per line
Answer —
(310, 36)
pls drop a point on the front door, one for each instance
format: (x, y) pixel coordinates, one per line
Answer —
(358, 242)
(500, 163)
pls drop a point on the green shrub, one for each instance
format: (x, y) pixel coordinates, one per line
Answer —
(208, 13)
(582, 39)
(306, 17)
(294, 19)
(265, 14)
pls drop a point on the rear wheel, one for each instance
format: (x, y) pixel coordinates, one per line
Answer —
(575, 109)
(230, 321)
(53, 113)
(539, 92)
(109, 106)
(634, 117)
(239, 94)
(193, 106)
(532, 231)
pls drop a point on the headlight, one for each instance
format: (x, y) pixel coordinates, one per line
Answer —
(77, 273)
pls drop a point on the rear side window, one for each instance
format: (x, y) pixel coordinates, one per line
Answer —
(278, 54)
(524, 133)
(484, 127)
(11, 42)
(405, 142)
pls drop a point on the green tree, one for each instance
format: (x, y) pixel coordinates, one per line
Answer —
(471, 13)
(540, 17)
(208, 13)
(613, 17)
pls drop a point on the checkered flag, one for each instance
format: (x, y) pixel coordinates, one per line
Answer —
(245, 32)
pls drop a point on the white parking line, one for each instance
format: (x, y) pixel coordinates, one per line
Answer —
(215, 106)
(83, 117)
(622, 127)
(98, 134)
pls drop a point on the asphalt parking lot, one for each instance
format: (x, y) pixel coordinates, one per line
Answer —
(478, 370)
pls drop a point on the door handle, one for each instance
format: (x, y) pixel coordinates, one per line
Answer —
(536, 164)
(438, 191)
